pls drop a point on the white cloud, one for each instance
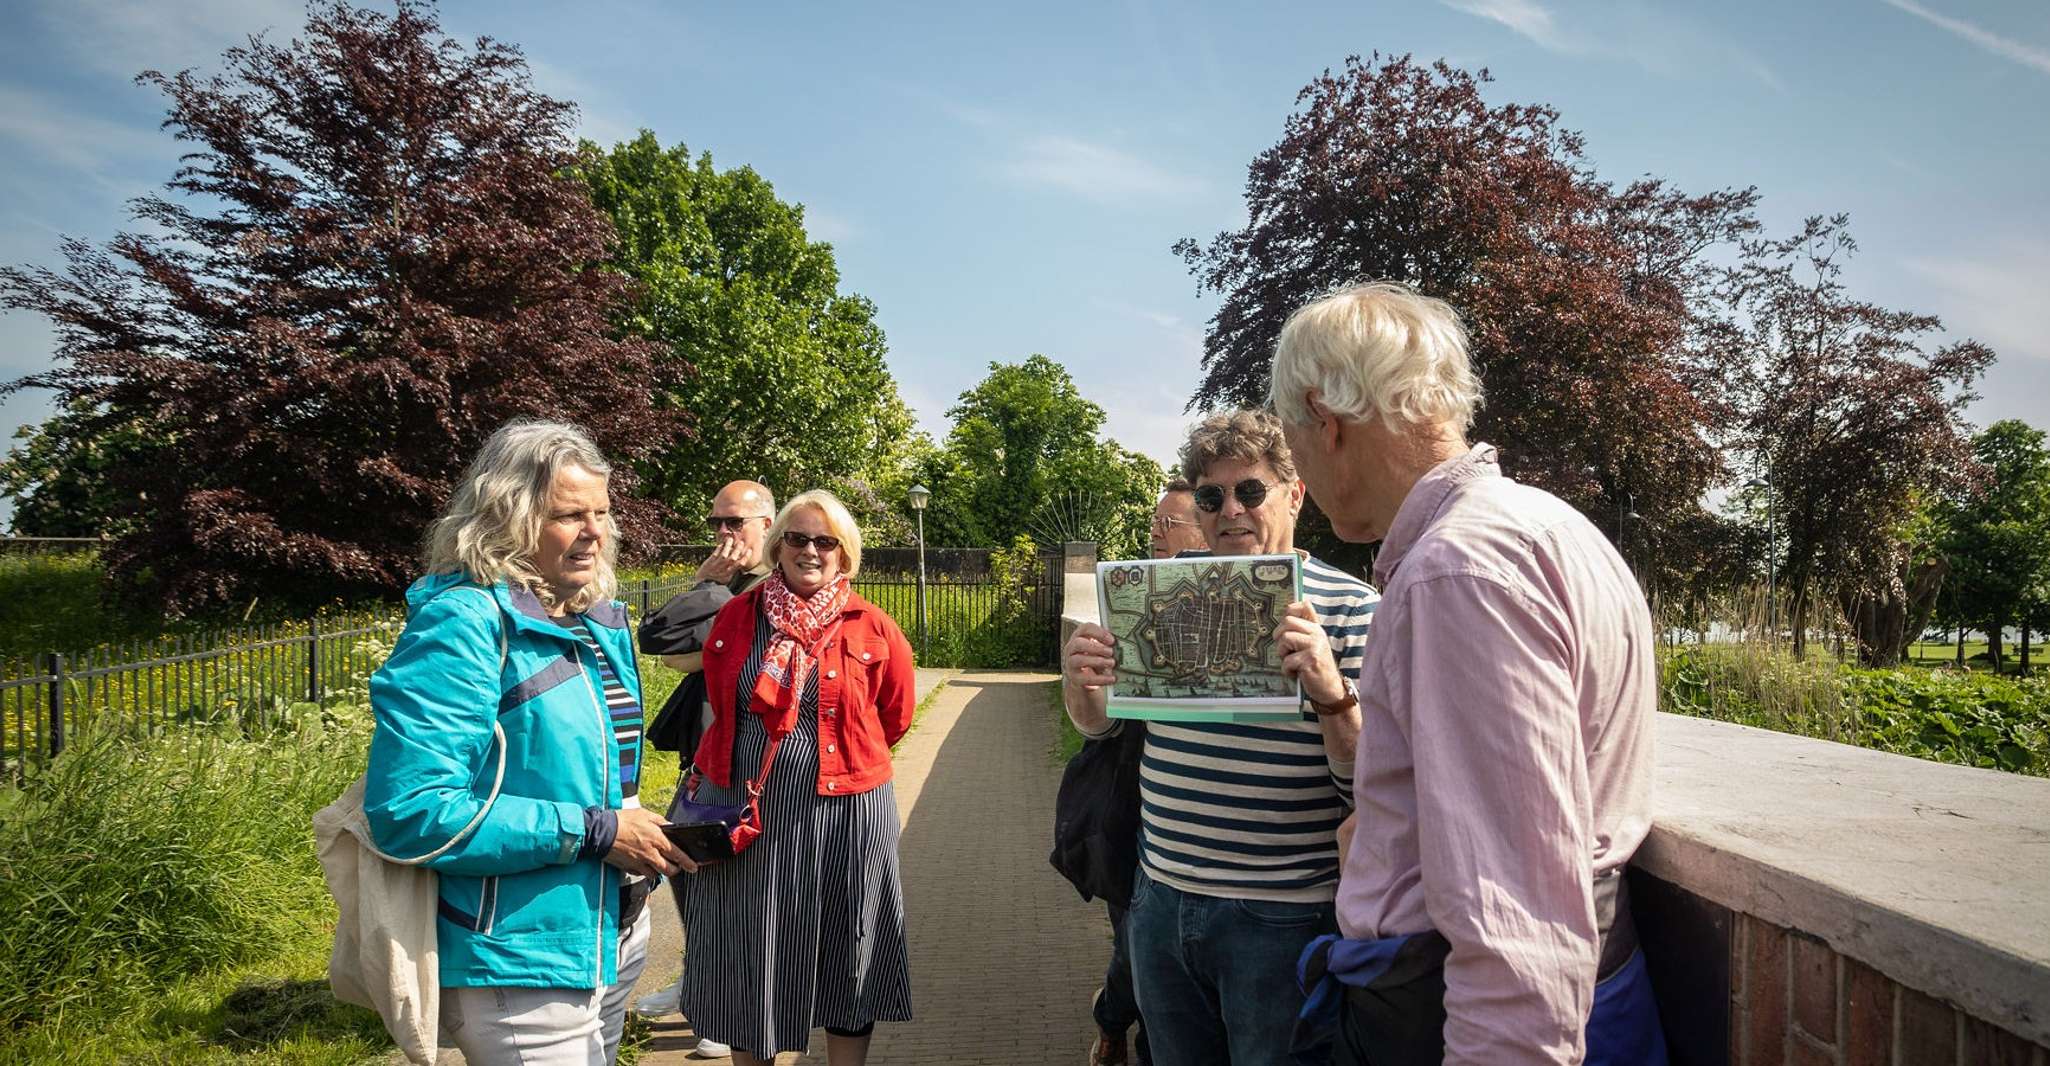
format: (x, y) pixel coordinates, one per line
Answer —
(822, 225)
(1664, 41)
(1524, 17)
(2027, 55)
(126, 37)
(1993, 293)
(1097, 171)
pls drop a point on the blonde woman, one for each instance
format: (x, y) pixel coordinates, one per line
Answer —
(542, 928)
(805, 928)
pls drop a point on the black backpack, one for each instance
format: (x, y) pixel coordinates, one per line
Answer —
(1096, 816)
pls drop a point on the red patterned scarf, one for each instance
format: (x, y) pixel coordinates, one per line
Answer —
(798, 625)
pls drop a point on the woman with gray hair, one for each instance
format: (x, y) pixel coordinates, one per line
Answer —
(508, 738)
(1504, 769)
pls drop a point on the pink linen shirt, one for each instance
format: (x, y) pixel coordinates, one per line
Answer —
(1504, 755)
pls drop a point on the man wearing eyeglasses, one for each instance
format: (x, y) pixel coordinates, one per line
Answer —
(1174, 522)
(1238, 853)
(740, 517)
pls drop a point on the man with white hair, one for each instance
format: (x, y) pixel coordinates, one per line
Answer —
(1504, 767)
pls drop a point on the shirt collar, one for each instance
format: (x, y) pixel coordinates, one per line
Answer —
(1426, 498)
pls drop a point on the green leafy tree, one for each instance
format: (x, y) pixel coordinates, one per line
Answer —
(1024, 458)
(62, 476)
(1997, 538)
(784, 373)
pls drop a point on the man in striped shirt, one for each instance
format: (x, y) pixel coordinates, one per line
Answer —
(1238, 858)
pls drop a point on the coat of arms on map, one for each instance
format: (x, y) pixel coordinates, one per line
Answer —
(1195, 636)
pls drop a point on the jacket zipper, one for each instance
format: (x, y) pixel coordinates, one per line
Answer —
(605, 784)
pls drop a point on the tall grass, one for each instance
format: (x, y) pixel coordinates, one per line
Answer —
(1737, 670)
(130, 867)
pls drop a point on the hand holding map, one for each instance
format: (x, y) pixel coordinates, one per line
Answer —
(1195, 637)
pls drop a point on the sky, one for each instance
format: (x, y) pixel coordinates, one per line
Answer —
(1008, 179)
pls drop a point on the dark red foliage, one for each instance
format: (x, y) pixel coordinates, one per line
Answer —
(1852, 423)
(372, 260)
(1582, 298)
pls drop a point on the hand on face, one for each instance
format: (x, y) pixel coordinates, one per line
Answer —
(809, 568)
(1265, 528)
(573, 531)
(727, 560)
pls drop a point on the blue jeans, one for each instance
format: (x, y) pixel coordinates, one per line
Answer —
(1216, 977)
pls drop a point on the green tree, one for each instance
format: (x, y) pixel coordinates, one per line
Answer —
(62, 476)
(1998, 537)
(1024, 458)
(783, 372)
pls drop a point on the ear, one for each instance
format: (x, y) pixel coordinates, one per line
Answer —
(1330, 428)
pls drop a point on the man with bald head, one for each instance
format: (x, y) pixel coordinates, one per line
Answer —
(739, 520)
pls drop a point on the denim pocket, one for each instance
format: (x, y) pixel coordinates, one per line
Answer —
(1280, 915)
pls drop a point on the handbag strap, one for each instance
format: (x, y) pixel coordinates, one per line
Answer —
(497, 781)
(754, 787)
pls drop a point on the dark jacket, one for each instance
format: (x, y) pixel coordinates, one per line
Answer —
(1096, 816)
(680, 627)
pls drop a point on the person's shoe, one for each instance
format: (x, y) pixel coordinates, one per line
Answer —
(663, 1003)
(709, 1048)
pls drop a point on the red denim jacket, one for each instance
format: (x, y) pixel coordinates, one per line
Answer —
(868, 690)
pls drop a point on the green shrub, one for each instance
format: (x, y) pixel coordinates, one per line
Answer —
(1970, 719)
(125, 865)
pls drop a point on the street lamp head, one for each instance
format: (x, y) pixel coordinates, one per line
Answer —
(919, 494)
(1756, 483)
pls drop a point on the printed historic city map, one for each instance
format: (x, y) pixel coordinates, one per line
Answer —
(1195, 636)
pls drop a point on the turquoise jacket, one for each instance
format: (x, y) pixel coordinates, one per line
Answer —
(518, 907)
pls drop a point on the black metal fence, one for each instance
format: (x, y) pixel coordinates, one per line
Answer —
(264, 678)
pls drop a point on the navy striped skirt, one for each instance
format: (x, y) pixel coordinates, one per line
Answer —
(806, 927)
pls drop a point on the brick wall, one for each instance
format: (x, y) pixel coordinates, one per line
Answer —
(1794, 1001)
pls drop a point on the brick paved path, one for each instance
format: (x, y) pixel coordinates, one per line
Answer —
(1004, 954)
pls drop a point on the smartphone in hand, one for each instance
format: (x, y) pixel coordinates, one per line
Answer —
(702, 841)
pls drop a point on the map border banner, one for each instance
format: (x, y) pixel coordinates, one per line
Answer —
(1196, 708)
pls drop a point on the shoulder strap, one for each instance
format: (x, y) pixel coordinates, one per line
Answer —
(497, 781)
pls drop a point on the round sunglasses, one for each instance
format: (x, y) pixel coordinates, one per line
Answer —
(1250, 492)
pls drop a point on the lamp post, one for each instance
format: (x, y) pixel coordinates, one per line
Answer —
(1771, 596)
(918, 495)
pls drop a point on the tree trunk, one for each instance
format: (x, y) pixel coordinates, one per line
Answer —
(1924, 583)
(1960, 645)
(2025, 649)
(1797, 617)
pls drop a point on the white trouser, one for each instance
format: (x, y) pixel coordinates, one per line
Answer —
(546, 1026)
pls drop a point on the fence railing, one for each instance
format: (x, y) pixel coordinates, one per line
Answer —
(262, 678)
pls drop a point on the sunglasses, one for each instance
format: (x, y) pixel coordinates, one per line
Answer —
(733, 522)
(796, 541)
(1250, 492)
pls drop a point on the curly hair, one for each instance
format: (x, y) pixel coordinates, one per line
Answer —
(492, 526)
(1249, 436)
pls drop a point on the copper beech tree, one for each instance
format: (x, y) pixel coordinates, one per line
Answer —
(369, 259)
(1586, 302)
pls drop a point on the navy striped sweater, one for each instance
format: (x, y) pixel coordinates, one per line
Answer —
(1249, 811)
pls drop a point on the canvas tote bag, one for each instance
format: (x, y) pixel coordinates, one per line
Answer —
(385, 955)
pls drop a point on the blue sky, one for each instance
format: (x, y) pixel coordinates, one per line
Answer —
(1007, 179)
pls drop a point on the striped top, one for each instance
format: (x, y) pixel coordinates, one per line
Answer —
(624, 708)
(1251, 811)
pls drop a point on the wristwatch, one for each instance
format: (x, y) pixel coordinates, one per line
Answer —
(1351, 700)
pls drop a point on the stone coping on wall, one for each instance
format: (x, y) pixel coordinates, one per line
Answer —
(1937, 876)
